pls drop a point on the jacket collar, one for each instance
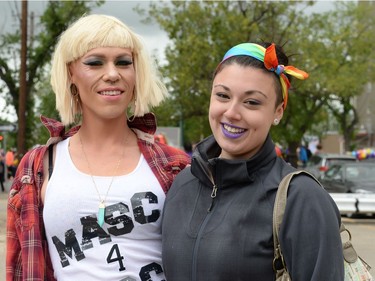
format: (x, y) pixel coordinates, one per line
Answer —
(225, 172)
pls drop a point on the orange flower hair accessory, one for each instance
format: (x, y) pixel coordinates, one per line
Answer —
(272, 64)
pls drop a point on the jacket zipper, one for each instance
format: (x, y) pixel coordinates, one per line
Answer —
(202, 227)
(213, 196)
(213, 193)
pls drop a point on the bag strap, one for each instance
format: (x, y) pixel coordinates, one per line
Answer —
(350, 255)
(50, 160)
(278, 214)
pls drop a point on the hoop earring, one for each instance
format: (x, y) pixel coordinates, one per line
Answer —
(131, 119)
(276, 122)
(74, 101)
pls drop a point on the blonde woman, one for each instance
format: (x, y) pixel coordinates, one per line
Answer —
(88, 205)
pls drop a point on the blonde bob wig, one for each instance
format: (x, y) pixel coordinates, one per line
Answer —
(93, 31)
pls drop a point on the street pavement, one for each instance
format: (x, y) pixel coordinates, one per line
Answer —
(362, 230)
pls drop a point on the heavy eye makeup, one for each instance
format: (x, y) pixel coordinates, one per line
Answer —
(122, 61)
(93, 62)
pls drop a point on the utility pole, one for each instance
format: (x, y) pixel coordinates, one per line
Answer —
(21, 136)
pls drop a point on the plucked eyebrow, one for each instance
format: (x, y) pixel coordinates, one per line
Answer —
(250, 92)
(101, 56)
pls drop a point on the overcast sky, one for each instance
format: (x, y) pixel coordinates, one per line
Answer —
(154, 38)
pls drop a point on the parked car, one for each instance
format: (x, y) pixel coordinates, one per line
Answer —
(319, 163)
(350, 177)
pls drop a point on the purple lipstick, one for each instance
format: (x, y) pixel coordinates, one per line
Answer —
(231, 131)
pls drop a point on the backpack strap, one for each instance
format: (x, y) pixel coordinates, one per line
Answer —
(278, 214)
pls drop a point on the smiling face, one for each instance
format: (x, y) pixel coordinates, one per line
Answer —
(242, 109)
(105, 79)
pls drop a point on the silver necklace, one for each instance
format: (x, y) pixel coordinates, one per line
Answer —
(101, 211)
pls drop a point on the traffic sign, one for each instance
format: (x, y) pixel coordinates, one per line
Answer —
(8, 128)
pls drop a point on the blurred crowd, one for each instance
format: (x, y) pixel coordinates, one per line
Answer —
(8, 165)
(303, 153)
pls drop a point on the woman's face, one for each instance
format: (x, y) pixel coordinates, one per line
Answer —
(105, 78)
(242, 110)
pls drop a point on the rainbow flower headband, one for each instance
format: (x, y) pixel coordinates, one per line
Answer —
(268, 56)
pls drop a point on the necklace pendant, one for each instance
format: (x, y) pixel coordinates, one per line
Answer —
(101, 213)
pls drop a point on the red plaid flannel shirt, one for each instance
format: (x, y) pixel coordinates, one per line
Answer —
(27, 256)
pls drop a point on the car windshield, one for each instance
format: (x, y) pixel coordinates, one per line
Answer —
(358, 173)
(333, 161)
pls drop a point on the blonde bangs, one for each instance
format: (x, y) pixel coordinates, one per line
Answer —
(98, 31)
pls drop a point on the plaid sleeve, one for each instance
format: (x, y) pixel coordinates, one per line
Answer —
(25, 255)
(165, 161)
(13, 253)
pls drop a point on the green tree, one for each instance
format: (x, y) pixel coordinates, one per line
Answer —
(56, 17)
(339, 48)
(201, 32)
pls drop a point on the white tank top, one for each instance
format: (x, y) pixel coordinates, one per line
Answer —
(128, 245)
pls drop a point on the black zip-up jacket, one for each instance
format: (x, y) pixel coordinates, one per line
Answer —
(217, 223)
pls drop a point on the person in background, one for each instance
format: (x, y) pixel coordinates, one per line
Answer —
(278, 150)
(16, 161)
(9, 162)
(217, 222)
(88, 205)
(2, 170)
(319, 149)
(302, 156)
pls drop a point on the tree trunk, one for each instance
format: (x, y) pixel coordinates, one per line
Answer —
(21, 140)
